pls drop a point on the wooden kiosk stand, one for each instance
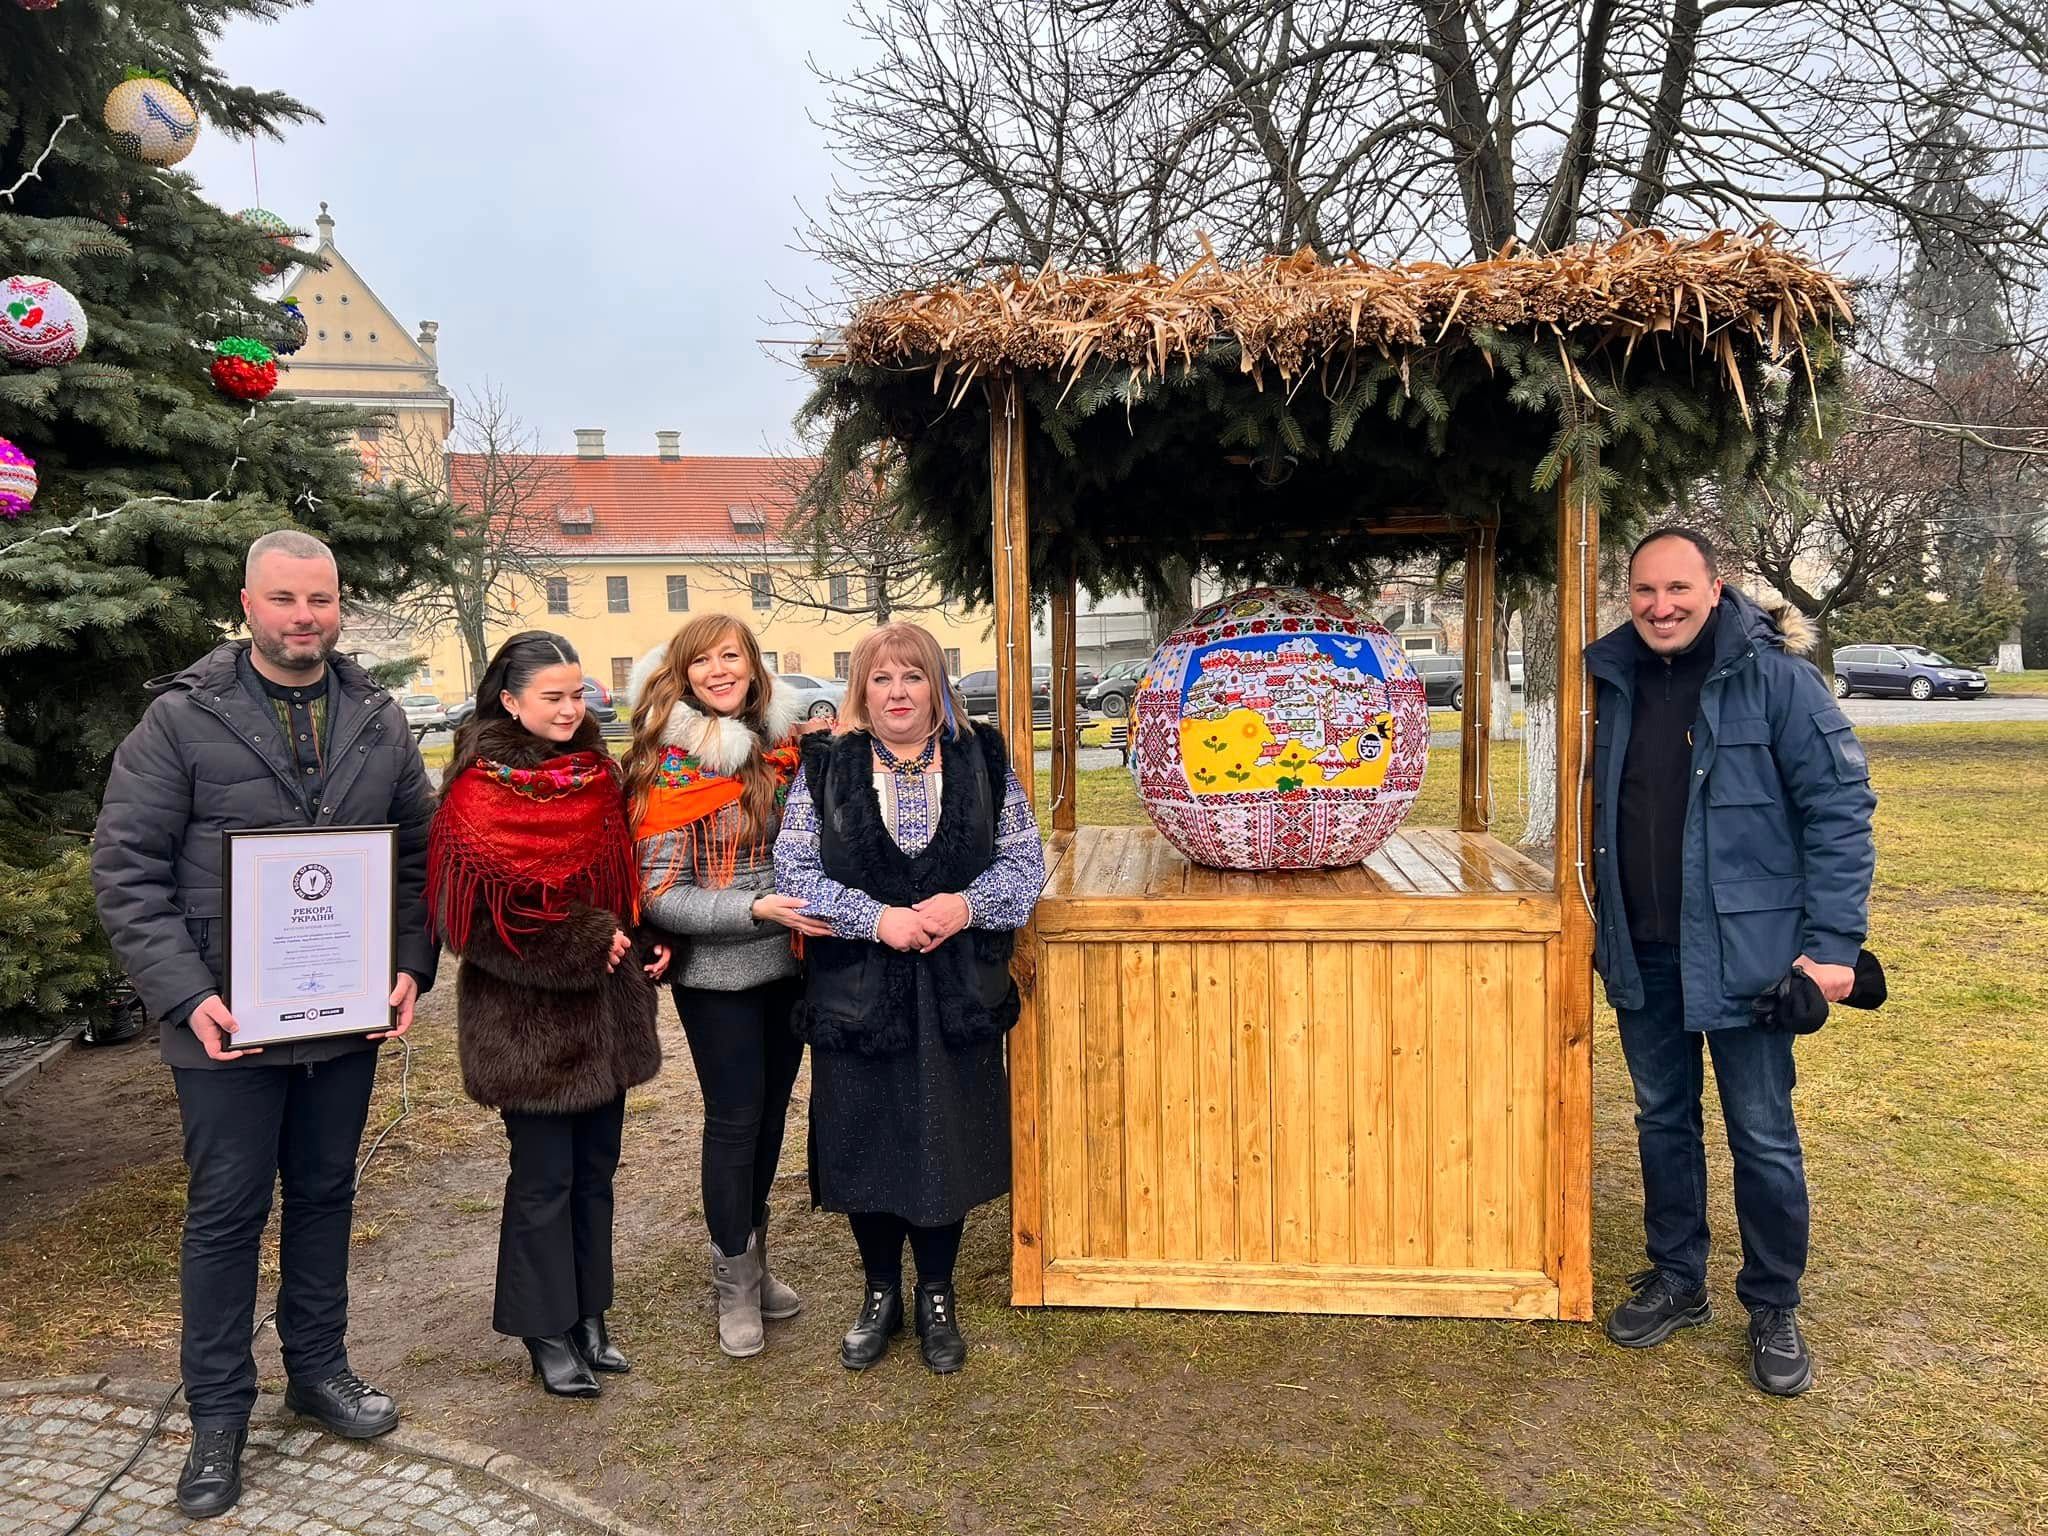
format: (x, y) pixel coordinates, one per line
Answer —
(1365, 1089)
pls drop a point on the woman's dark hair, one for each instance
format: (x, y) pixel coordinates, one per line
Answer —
(519, 661)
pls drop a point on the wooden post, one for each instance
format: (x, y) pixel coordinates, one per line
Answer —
(1066, 741)
(1578, 565)
(1010, 550)
(1475, 796)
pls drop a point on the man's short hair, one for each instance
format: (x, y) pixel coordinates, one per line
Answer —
(294, 543)
(1696, 539)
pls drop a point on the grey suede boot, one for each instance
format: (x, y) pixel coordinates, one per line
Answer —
(778, 1301)
(737, 1280)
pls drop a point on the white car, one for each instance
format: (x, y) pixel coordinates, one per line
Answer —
(423, 712)
(819, 697)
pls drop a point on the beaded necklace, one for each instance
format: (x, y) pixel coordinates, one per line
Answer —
(909, 767)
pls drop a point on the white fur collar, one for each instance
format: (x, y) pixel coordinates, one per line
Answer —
(719, 742)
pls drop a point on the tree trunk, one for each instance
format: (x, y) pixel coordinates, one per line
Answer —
(1539, 716)
(1176, 604)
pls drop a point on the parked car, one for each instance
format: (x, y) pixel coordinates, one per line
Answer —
(458, 713)
(820, 697)
(1909, 670)
(978, 693)
(597, 702)
(1443, 680)
(423, 712)
(1112, 695)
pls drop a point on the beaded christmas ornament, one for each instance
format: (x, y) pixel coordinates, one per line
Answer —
(293, 324)
(41, 324)
(17, 481)
(151, 119)
(270, 224)
(243, 368)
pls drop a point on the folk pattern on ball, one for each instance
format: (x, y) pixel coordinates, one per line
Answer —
(41, 324)
(17, 481)
(1279, 729)
(152, 121)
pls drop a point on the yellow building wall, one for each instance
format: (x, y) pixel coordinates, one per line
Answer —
(802, 641)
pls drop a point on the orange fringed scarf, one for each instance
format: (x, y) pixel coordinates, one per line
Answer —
(529, 841)
(685, 798)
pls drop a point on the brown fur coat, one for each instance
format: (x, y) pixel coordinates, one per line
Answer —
(546, 1029)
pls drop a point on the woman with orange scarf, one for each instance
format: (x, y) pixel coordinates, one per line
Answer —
(711, 761)
(530, 879)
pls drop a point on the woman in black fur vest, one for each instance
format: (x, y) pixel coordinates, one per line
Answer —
(530, 878)
(908, 833)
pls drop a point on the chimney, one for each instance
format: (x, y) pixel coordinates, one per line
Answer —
(590, 442)
(430, 338)
(325, 225)
(668, 445)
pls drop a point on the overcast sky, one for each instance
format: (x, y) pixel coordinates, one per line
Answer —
(595, 200)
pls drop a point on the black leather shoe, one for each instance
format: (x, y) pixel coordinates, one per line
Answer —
(1662, 1304)
(344, 1404)
(1779, 1361)
(596, 1346)
(880, 1320)
(938, 1329)
(561, 1369)
(211, 1483)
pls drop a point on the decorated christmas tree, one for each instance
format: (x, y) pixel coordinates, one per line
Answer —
(141, 451)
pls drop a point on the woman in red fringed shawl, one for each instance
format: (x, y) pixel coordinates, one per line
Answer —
(710, 765)
(530, 879)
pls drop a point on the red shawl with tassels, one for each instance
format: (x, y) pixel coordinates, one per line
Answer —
(529, 841)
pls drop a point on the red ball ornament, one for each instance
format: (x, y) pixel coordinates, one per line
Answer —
(244, 369)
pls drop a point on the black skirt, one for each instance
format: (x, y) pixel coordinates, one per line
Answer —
(923, 1135)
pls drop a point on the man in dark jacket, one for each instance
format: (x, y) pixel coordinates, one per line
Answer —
(1732, 843)
(276, 731)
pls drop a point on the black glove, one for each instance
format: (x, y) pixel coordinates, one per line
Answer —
(1795, 1005)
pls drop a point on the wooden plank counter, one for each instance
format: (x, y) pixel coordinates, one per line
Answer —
(1332, 1091)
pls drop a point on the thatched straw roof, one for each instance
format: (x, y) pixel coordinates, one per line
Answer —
(1289, 315)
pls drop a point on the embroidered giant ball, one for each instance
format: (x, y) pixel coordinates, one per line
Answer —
(1279, 729)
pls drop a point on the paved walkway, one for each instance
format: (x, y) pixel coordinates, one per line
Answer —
(1979, 711)
(60, 1440)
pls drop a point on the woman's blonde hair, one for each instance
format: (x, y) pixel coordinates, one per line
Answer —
(907, 645)
(669, 685)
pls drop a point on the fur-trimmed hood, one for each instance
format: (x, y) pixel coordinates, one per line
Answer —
(720, 742)
(1795, 631)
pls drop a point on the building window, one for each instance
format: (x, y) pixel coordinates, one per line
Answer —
(679, 594)
(348, 335)
(558, 594)
(425, 675)
(768, 662)
(763, 585)
(952, 661)
(615, 600)
(622, 674)
(373, 335)
(842, 663)
(344, 298)
(1419, 645)
(840, 591)
(874, 585)
(323, 335)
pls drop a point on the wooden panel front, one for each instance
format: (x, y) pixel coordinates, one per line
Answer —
(1317, 1123)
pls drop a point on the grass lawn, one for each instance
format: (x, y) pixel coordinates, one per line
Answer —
(2030, 684)
(1926, 1129)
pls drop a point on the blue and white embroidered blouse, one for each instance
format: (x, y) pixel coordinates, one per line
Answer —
(1000, 897)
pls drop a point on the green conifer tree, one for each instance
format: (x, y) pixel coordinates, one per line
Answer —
(152, 483)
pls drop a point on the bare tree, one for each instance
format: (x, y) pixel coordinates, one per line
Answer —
(853, 559)
(508, 502)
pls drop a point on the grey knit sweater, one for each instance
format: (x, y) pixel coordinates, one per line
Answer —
(725, 949)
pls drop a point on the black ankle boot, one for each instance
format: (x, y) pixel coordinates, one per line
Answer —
(596, 1347)
(938, 1329)
(881, 1319)
(211, 1482)
(561, 1370)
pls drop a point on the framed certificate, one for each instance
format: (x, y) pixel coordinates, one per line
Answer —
(310, 916)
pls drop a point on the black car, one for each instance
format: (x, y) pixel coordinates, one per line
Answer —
(1111, 697)
(596, 702)
(978, 693)
(1443, 680)
(1912, 671)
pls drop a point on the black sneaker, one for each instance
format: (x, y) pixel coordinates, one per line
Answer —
(1779, 1361)
(1662, 1304)
(211, 1482)
(344, 1404)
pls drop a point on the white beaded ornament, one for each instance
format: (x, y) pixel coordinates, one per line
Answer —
(152, 120)
(41, 324)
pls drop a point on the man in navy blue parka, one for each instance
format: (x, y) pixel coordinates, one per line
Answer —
(1731, 844)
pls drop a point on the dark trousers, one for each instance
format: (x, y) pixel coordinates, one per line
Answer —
(1754, 1074)
(879, 1236)
(555, 1235)
(247, 1129)
(747, 1058)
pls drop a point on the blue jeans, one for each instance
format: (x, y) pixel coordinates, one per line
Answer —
(1753, 1071)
